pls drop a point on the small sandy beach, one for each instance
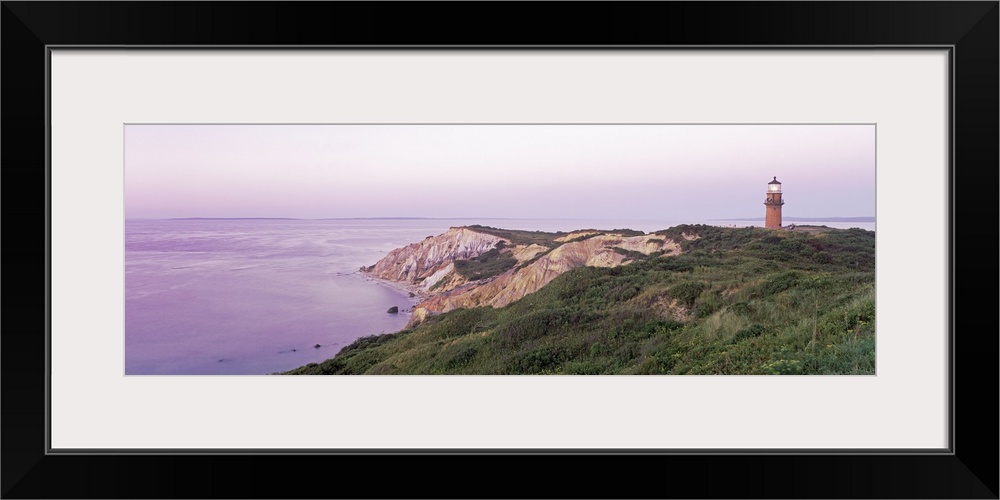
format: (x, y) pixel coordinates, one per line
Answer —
(419, 294)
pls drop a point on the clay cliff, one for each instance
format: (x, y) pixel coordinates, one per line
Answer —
(426, 262)
(598, 251)
(430, 264)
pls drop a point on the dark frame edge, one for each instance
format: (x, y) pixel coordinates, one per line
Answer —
(23, 381)
(48, 250)
(976, 107)
(504, 451)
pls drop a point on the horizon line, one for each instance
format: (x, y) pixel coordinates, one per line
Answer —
(749, 219)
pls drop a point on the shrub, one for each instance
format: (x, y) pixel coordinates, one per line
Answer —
(741, 309)
(783, 367)
(822, 257)
(687, 293)
(623, 292)
(540, 360)
(463, 321)
(778, 284)
(530, 326)
(489, 264)
(710, 303)
(754, 330)
(582, 368)
(597, 349)
(662, 326)
(457, 355)
(630, 254)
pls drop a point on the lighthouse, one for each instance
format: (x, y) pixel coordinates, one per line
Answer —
(772, 204)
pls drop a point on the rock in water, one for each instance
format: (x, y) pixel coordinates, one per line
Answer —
(393, 310)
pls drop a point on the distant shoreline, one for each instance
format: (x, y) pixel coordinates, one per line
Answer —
(226, 218)
(740, 219)
(341, 218)
(802, 219)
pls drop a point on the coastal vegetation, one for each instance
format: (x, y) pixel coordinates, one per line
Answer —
(734, 301)
(488, 264)
(519, 237)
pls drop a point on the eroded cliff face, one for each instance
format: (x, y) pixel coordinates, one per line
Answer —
(430, 265)
(425, 263)
(525, 253)
(598, 251)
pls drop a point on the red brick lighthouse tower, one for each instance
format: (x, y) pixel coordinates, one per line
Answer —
(772, 204)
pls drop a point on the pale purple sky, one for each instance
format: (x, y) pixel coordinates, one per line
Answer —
(650, 172)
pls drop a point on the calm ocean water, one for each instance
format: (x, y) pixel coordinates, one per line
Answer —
(214, 297)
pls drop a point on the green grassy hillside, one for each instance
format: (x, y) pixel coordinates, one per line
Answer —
(737, 301)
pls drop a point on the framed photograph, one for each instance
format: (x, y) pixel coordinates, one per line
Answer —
(569, 238)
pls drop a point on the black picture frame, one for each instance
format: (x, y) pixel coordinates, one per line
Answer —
(970, 470)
